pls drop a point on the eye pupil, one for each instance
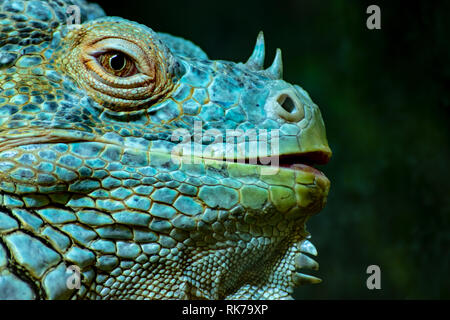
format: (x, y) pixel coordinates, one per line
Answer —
(117, 62)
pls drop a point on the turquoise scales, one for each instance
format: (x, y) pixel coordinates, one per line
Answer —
(88, 176)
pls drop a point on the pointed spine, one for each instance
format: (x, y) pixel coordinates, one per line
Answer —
(300, 279)
(275, 71)
(256, 60)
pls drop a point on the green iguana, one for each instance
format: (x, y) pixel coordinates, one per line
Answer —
(133, 167)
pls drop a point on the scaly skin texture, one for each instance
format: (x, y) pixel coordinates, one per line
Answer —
(91, 178)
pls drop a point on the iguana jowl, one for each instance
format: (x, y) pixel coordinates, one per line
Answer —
(91, 176)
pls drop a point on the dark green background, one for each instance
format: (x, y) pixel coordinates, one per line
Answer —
(383, 97)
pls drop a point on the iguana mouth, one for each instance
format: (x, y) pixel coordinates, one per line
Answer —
(289, 160)
(305, 162)
(308, 159)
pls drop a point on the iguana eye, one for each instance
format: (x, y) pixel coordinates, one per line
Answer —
(120, 68)
(117, 64)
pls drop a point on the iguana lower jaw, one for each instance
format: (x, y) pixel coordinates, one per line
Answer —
(277, 244)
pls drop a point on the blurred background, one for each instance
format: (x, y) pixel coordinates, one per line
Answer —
(384, 99)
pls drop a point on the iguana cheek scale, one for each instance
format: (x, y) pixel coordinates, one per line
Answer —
(89, 177)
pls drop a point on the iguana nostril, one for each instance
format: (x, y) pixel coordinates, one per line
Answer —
(288, 105)
(289, 108)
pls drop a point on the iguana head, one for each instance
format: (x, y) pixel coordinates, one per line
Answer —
(156, 171)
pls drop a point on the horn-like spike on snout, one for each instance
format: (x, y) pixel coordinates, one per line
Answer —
(256, 60)
(275, 71)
